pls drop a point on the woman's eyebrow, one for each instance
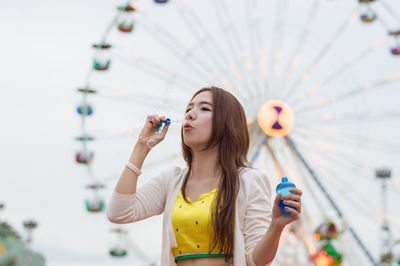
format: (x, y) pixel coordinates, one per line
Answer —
(202, 102)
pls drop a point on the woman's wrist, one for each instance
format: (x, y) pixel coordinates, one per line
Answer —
(276, 226)
(141, 147)
(138, 155)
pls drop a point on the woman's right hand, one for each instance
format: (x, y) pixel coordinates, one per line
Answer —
(149, 135)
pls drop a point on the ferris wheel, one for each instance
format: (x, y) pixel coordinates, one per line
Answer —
(319, 81)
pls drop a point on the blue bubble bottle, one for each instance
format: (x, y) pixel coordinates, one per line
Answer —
(284, 188)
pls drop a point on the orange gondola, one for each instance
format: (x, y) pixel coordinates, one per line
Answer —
(368, 17)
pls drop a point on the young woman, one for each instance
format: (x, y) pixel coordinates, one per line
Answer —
(217, 210)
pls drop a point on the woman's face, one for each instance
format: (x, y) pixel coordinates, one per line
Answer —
(197, 122)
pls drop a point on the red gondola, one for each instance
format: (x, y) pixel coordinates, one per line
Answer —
(82, 158)
(396, 49)
(126, 20)
(326, 230)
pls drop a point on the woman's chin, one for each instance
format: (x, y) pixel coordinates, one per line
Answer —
(195, 145)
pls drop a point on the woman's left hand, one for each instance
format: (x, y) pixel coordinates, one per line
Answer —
(294, 200)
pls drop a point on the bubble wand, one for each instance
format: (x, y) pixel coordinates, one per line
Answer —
(167, 122)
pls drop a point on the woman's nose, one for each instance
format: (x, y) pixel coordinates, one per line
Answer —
(189, 115)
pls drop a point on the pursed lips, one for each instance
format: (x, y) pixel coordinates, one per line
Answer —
(187, 126)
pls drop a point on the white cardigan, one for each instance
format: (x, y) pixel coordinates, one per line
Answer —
(253, 210)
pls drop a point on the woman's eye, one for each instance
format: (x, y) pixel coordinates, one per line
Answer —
(187, 110)
(205, 109)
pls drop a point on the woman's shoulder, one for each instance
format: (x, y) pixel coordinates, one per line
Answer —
(246, 172)
(250, 175)
(174, 172)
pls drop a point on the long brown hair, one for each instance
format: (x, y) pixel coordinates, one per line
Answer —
(229, 131)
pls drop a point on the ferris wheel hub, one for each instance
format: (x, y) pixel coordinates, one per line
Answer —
(275, 118)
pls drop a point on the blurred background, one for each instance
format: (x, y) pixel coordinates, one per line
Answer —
(319, 81)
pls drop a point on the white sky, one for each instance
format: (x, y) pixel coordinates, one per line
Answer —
(45, 55)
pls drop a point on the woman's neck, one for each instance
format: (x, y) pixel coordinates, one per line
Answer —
(205, 164)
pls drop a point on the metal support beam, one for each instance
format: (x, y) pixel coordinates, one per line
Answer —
(335, 207)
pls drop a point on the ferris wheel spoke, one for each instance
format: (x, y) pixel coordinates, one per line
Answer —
(332, 152)
(216, 76)
(317, 155)
(217, 52)
(292, 145)
(254, 133)
(262, 139)
(300, 168)
(326, 169)
(390, 10)
(356, 140)
(137, 97)
(155, 70)
(276, 46)
(384, 23)
(305, 75)
(87, 79)
(278, 165)
(300, 44)
(335, 74)
(353, 92)
(320, 156)
(110, 27)
(229, 40)
(350, 249)
(330, 170)
(360, 203)
(306, 240)
(253, 22)
(143, 102)
(201, 69)
(343, 118)
(171, 41)
(246, 66)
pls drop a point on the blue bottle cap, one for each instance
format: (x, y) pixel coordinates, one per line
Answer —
(285, 183)
(166, 122)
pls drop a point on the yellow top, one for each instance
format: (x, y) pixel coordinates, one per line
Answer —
(192, 227)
